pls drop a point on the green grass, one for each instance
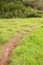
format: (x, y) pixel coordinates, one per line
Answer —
(11, 27)
(30, 50)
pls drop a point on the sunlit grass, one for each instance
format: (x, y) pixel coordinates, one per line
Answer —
(11, 27)
(30, 50)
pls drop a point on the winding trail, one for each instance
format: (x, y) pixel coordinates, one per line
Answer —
(13, 43)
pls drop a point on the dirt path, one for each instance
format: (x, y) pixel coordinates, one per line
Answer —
(10, 45)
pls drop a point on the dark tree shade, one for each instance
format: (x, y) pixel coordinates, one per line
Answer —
(21, 8)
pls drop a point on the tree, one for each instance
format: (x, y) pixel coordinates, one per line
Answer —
(18, 8)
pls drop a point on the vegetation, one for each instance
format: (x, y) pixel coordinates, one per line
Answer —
(25, 14)
(30, 50)
(21, 8)
(11, 27)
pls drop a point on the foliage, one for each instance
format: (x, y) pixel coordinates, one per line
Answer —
(18, 8)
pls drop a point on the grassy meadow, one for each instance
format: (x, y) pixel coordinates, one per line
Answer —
(11, 27)
(30, 50)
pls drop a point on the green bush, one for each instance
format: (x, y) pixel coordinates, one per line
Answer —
(17, 8)
(30, 12)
